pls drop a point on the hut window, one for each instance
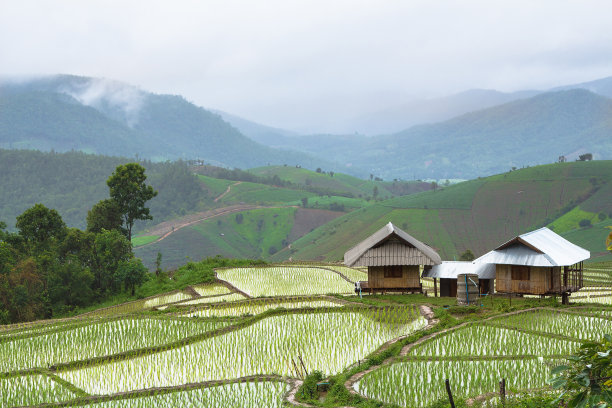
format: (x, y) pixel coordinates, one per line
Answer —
(520, 272)
(393, 271)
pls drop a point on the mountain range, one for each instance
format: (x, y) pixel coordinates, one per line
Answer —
(471, 134)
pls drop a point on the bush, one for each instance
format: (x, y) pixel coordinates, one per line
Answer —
(309, 391)
(585, 223)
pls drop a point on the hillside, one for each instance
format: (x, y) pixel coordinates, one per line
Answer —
(106, 117)
(341, 182)
(481, 213)
(73, 182)
(519, 133)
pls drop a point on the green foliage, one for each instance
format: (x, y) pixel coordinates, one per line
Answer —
(587, 378)
(129, 191)
(468, 255)
(585, 223)
(106, 214)
(308, 391)
(132, 273)
(40, 224)
(110, 249)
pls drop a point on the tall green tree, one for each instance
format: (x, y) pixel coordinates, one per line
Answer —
(39, 224)
(106, 214)
(109, 250)
(129, 191)
(132, 273)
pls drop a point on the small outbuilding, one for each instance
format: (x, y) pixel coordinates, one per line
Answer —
(448, 271)
(393, 258)
(539, 262)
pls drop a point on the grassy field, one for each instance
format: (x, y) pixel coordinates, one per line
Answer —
(248, 353)
(481, 214)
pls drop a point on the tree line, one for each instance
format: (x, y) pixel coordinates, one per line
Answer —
(48, 269)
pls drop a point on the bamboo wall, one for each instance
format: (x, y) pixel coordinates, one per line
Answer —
(410, 278)
(542, 280)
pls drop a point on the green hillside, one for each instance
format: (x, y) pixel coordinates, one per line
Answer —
(253, 234)
(56, 113)
(479, 214)
(73, 182)
(341, 182)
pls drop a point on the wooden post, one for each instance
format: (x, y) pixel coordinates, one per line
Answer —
(435, 287)
(502, 391)
(450, 394)
(303, 366)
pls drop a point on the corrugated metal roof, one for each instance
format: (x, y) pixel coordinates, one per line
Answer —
(450, 270)
(541, 247)
(390, 254)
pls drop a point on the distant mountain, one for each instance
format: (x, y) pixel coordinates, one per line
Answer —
(107, 117)
(599, 86)
(263, 134)
(521, 133)
(418, 112)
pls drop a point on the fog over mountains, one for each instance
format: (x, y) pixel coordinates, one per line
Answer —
(466, 135)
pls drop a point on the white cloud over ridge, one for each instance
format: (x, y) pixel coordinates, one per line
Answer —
(308, 64)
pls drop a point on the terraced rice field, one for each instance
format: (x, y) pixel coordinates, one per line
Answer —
(31, 390)
(220, 349)
(477, 356)
(420, 383)
(255, 307)
(263, 347)
(493, 341)
(95, 340)
(553, 322)
(286, 281)
(250, 394)
(231, 297)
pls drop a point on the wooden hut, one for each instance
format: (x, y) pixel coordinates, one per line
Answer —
(393, 258)
(537, 263)
(446, 274)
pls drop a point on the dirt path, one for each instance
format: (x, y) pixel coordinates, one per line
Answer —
(167, 228)
(227, 190)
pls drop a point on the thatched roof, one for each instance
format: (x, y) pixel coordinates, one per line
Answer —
(391, 246)
(450, 270)
(541, 247)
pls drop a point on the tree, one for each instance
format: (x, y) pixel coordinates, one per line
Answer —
(129, 191)
(318, 169)
(133, 273)
(585, 157)
(106, 214)
(158, 262)
(375, 192)
(468, 255)
(304, 202)
(109, 250)
(585, 223)
(587, 378)
(39, 224)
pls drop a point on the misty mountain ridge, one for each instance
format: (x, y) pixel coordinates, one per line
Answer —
(67, 112)
(101, 116)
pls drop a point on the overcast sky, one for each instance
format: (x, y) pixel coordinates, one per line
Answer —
(297, 64)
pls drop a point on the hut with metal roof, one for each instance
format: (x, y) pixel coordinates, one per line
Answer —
(447, 273)
(393, 258)
(539, 262)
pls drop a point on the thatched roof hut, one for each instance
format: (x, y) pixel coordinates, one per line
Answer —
(393, 258)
